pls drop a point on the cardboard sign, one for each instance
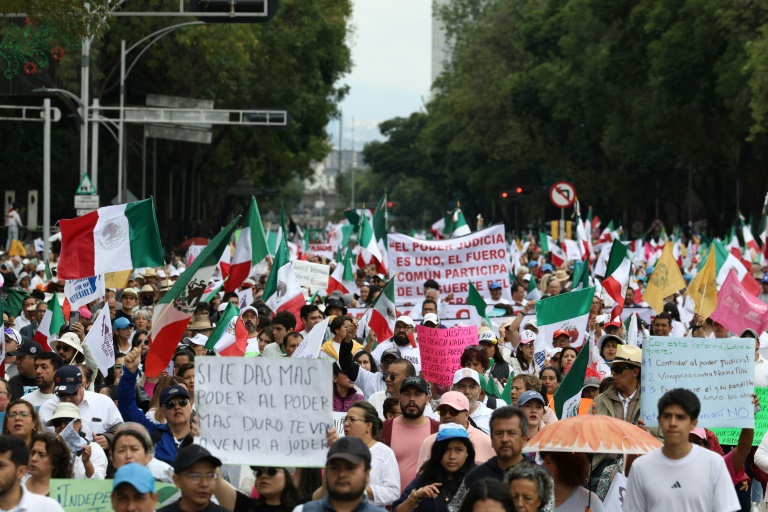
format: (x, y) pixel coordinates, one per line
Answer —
(267, 412)
(480, 257)
(730, 436)
(312, 276)
(94, 495)
(719, 371)
(441, 349)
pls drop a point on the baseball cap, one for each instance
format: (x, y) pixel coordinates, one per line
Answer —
(199, 339)
(561, 332)
(465, 373)
(67, 379)
(122, 323)
(192, 454)
(527, 396)
(699, 432)
(64, 410)
(415, 381)
(531, 323)
(451, 431)
(392, 351)
(454, 400)
(40, 267)
(527, 277)
(137, 476)
(430, 317)
(546, 268)
(591, 382)
(406, 320)
(28, 348)
(527, 336)
(616, 322)
(172, 392)
(488, 337)
(351, 449)
(494, 286)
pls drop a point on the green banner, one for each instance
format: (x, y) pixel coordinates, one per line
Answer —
(94, 495)
(730, 436)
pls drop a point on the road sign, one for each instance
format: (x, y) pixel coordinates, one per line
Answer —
(562, 194)
(86, 202)
(86, 188)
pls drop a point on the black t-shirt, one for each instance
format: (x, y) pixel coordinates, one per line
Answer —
(212, 507)
(244, 503)
(20, 385)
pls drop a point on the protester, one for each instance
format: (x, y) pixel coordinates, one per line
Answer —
(500, 370)
(476, 358)
(25, 381)
(532, 404)
(343, 329)
(14, 461)
(365, 360)
(49, 458)
(570, 472)
(46, 365)
(567, 356)
(401, 340)
(551, 377)
(21, 420)
(523, 361)
(195, 474)
(123, 333)
(187, 372)
(451, 457)
(680, 475)
(398, 371)
(531, 488)
(486, 496)
(392, 408)
(89, 459)
(606, 347)
(132, 443)
(344, 392)
(467, 382)
(283, 323)
(133, 489)
(310, 316)
(5, 395)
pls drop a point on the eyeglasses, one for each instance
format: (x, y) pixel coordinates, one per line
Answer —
(196, 477)
(352, 419)
(171, 404)
(16, 414)
(269, 472)
(448, 411)
(391, 376)
(616, 370)
(117, 367)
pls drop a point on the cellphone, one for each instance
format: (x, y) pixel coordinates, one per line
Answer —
(74, 317)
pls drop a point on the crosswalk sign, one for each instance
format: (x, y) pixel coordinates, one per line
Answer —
(86, 188)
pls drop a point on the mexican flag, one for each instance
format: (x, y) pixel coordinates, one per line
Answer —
(583, 238)
(550, 245)
(379, 224)
(343, 277)
(174, 311)
(568, 394)
(733, 240)
(617, 276)
(724, 262)
(251, 248)
(230, 337)
(580, 276)
(51, 324)
(749, 240)
(533, 292)
(438, 229)
(212, 289)
(459, 226)
(478, 308)
(569, 311)
(113, 238)
(369, 247)
(282, 291)
(384, 313)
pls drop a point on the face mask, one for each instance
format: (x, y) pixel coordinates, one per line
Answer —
(146, 301)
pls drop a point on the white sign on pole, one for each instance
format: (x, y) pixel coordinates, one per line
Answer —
(244, 298)
(614, 500)
(86, 202)
(99, 341)
(312, 276)
(266, 412)
(80, 292)
(562, 194)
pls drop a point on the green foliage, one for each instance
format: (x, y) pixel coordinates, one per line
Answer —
(71, 18)
(620, 97)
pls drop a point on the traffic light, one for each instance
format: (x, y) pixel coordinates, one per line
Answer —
(263, 10)
(392, 204)
(519, 190)
(504, 194)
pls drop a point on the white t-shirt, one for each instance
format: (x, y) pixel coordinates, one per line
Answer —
(37, 398)
(699, 482)
(31, 502)
(12, 218)
(408, 352)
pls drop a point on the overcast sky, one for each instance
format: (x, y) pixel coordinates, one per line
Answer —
(391, 53)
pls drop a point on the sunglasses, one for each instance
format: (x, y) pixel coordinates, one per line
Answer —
(449, 411)
(58, 422)
(475, 347)
(617, 370)
(171, 404)
(269, 472)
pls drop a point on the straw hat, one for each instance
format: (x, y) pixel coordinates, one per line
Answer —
(200, 323)
(148, 288)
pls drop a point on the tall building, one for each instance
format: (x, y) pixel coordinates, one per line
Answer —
(439, 41)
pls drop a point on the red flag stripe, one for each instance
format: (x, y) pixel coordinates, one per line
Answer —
(77, 236)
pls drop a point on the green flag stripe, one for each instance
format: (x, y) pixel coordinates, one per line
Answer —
(573, 381)
(146, 247)
(565, 306)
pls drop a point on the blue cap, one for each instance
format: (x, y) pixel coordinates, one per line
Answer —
(451, 431)
(527, 396)
(135, 475)
(532, 264)
(547, 268)
(494, 286)
(764, 278)
(122, 323)
(649, 271)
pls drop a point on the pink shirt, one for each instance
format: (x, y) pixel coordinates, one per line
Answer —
(480, 440)
(406, 442)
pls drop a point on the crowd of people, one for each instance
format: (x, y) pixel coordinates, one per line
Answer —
(406, 444)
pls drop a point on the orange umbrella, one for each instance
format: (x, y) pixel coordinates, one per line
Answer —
(592, 434)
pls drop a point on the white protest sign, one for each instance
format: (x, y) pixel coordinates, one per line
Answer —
(480, 257)
(325, 250)
(614, 500)
(244, 298)
(80, 292)
(310, 346)
(99, 341)
(312, 276)
(193, 252)
(264, 411)
(719, 371)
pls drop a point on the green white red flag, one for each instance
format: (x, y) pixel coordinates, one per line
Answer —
(617, 276)
(282, 291)
(550, 245)
(51, 324)
(569, 311)
(343, 276)
(251, 248)
(370, 253)
(384, 313)
(230, 337)
(174, 311)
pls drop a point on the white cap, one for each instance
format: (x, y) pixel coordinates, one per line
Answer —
(222, 306)
(25, 261)
(527, 336)
(175, 272)
(429, 317)
(527, 277)
(199, 339)
(488, 336)
(161, 274)
(532, 322)
(406, 320)
(40, 267)
(465, 373)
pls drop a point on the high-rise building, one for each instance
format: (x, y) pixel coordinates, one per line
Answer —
(439, 40)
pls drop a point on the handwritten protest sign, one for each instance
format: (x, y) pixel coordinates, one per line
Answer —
(719, 371)
(481, 257)
(730, 436)
(312, 276)
(441, 350)
(94, 495)
(327, 251)
(270, 412)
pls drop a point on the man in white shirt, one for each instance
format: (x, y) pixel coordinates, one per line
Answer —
(28, 308)
(39, 277)
(46, 365)
(680, 476)
(14, 457)
(12, 222)
(311, 316)
(99, 412)
(401, 340)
